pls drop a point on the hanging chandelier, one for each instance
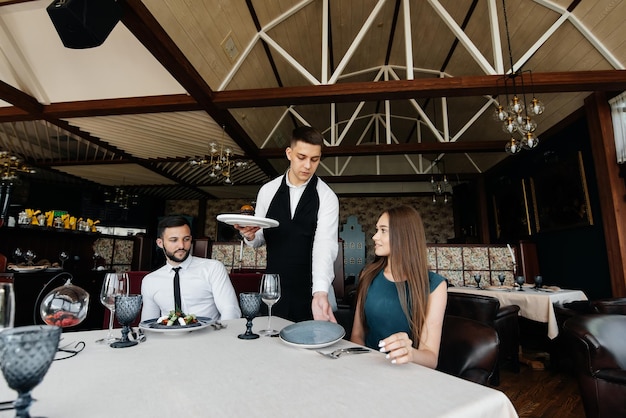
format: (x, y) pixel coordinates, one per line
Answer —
(439, 182)
(11, 166)
(517, 118)
(121, 197)
(220, 161)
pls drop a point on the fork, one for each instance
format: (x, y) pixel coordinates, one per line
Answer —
(339, 352)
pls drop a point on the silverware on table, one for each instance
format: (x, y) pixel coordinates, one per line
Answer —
(341, 351)
(217, 325)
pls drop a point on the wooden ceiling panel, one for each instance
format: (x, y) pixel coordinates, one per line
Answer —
(116, 175)
(169, 135)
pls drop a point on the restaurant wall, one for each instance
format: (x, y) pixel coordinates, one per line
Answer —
(549, 196)
(438, 218)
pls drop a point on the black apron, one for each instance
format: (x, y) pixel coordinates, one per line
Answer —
(290, 250)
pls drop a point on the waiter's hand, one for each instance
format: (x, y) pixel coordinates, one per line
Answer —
(322, 311)
(247, 231)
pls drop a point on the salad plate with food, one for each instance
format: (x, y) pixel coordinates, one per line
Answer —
(176, 322)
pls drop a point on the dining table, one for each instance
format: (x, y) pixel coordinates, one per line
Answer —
(210, 372)
(536, 304)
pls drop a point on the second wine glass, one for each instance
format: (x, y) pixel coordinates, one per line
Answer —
(114, 284)
(270, 294)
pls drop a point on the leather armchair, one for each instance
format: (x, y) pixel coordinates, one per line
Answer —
(615, 306)
(504, 320)
(599, 348)
(469, 349)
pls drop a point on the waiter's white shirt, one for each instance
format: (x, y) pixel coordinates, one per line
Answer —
(205, 289)
(325, 245)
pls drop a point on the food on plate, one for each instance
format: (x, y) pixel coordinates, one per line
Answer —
(177, 318)
(247, 210)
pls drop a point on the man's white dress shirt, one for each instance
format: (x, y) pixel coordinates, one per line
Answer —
(205, 288)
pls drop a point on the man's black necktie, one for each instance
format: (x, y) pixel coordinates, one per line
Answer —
(177, 304)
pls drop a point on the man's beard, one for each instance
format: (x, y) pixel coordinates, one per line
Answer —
(175, 259)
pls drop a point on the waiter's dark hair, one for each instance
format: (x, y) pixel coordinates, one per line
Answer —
(171, 222)
(307, 134)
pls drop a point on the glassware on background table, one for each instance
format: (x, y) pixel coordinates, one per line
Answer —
(477, 278)
(126, 310)
(520, 280)
(538, 282)
(96, 258)
(63, 257)
(250, 305)
(114, 284)
(270, 294)
(7, 304)
(501, 279)
(25, 357)
(17, 255)
(29, 256)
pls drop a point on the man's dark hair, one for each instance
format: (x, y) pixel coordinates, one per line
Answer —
(307, 134)
(171, 222)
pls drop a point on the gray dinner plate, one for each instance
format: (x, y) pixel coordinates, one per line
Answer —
(312, 334)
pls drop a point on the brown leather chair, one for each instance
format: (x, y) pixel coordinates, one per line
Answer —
(3, 263)
(504, 320)
(560, 354)
(469, 349)
(598, 343)
(615, 306)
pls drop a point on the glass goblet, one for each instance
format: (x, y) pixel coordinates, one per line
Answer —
(127, 308)
(477, 278)
(538, 282)
(25, 357)
(63, 257)
(17, 255)
(520, 280)
(250, 305)
(501, 278)
(29, 256)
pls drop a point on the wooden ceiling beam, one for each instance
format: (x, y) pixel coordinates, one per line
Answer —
(484, 85)
(399, 149)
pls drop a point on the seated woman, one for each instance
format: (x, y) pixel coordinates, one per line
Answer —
(400, 303)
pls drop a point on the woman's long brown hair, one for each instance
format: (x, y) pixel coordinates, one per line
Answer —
(409, 267)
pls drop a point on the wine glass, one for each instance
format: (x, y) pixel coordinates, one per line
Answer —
(25, 357)
(477, 278)
(126, 310)
(520, 280)
(96, 258)
(501, 279)
(270, 294)
(114, 284)
(7, 305)
(538, 282)
(29, 256)
(250, 304)
(17, 255)
(63, 257)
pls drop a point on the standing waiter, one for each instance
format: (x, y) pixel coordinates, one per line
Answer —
(303, 248)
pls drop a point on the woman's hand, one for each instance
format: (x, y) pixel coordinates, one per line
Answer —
(399, 348)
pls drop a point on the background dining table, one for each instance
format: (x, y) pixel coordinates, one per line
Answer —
(211, 372)
(536, 305)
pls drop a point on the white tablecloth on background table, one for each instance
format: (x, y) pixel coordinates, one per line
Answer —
(536, 305)
(209, 373)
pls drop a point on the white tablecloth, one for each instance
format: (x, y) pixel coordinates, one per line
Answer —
(534, 305)
(209, 373)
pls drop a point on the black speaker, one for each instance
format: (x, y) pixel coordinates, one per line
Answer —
(84, 23)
